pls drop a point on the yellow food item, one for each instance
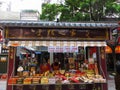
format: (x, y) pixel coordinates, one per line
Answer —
(44, 80)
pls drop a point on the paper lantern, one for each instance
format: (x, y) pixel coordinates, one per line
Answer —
(108, 49)
(117, 49)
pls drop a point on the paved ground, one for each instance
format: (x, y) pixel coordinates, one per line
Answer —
(111, 85)
(3, 84)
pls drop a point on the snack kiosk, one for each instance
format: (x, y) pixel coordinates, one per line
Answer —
(79, 47)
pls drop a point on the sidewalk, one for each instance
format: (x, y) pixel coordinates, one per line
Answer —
(111, 83)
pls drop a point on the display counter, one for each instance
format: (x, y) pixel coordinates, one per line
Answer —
(66, 81)
(71, 86)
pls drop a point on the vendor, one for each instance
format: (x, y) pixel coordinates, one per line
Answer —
(55, 65)
(45, 66)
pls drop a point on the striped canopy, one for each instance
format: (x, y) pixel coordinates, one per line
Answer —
(57, 43)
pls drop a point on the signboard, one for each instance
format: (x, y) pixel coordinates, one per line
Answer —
(56, 34)
(62, 49)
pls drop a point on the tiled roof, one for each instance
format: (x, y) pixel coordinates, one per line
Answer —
(25, 23)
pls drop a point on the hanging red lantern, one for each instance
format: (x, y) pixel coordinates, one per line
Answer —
(108, 49)
(117, 49)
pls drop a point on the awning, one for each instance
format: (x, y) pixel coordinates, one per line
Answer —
(57, 43)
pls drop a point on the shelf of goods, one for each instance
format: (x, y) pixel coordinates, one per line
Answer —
(59, 78)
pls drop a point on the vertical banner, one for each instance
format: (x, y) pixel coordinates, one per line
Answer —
(11, 61)
(103, 67)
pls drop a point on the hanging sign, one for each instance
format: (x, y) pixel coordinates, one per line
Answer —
(62, 49)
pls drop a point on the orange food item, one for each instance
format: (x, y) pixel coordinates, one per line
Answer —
(36, 80)
(27, 81)
(12, 81)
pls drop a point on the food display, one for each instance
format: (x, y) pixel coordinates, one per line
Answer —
(61, 77)
(36, 80)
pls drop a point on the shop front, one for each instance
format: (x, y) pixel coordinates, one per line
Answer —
(78, 48)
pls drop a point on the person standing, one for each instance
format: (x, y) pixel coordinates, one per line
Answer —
(45, 66)
(55, 65)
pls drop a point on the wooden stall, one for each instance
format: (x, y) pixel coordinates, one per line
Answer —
(81, 44)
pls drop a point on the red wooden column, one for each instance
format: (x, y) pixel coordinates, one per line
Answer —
(11, 61)
(103, 66)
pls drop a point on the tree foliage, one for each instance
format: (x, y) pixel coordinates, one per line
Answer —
(49, 11)
(81, 10)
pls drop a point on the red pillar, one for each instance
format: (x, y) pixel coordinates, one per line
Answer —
(11, 62)
(103, 66)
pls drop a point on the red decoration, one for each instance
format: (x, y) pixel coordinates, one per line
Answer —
(117, 49)
(108, 49)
